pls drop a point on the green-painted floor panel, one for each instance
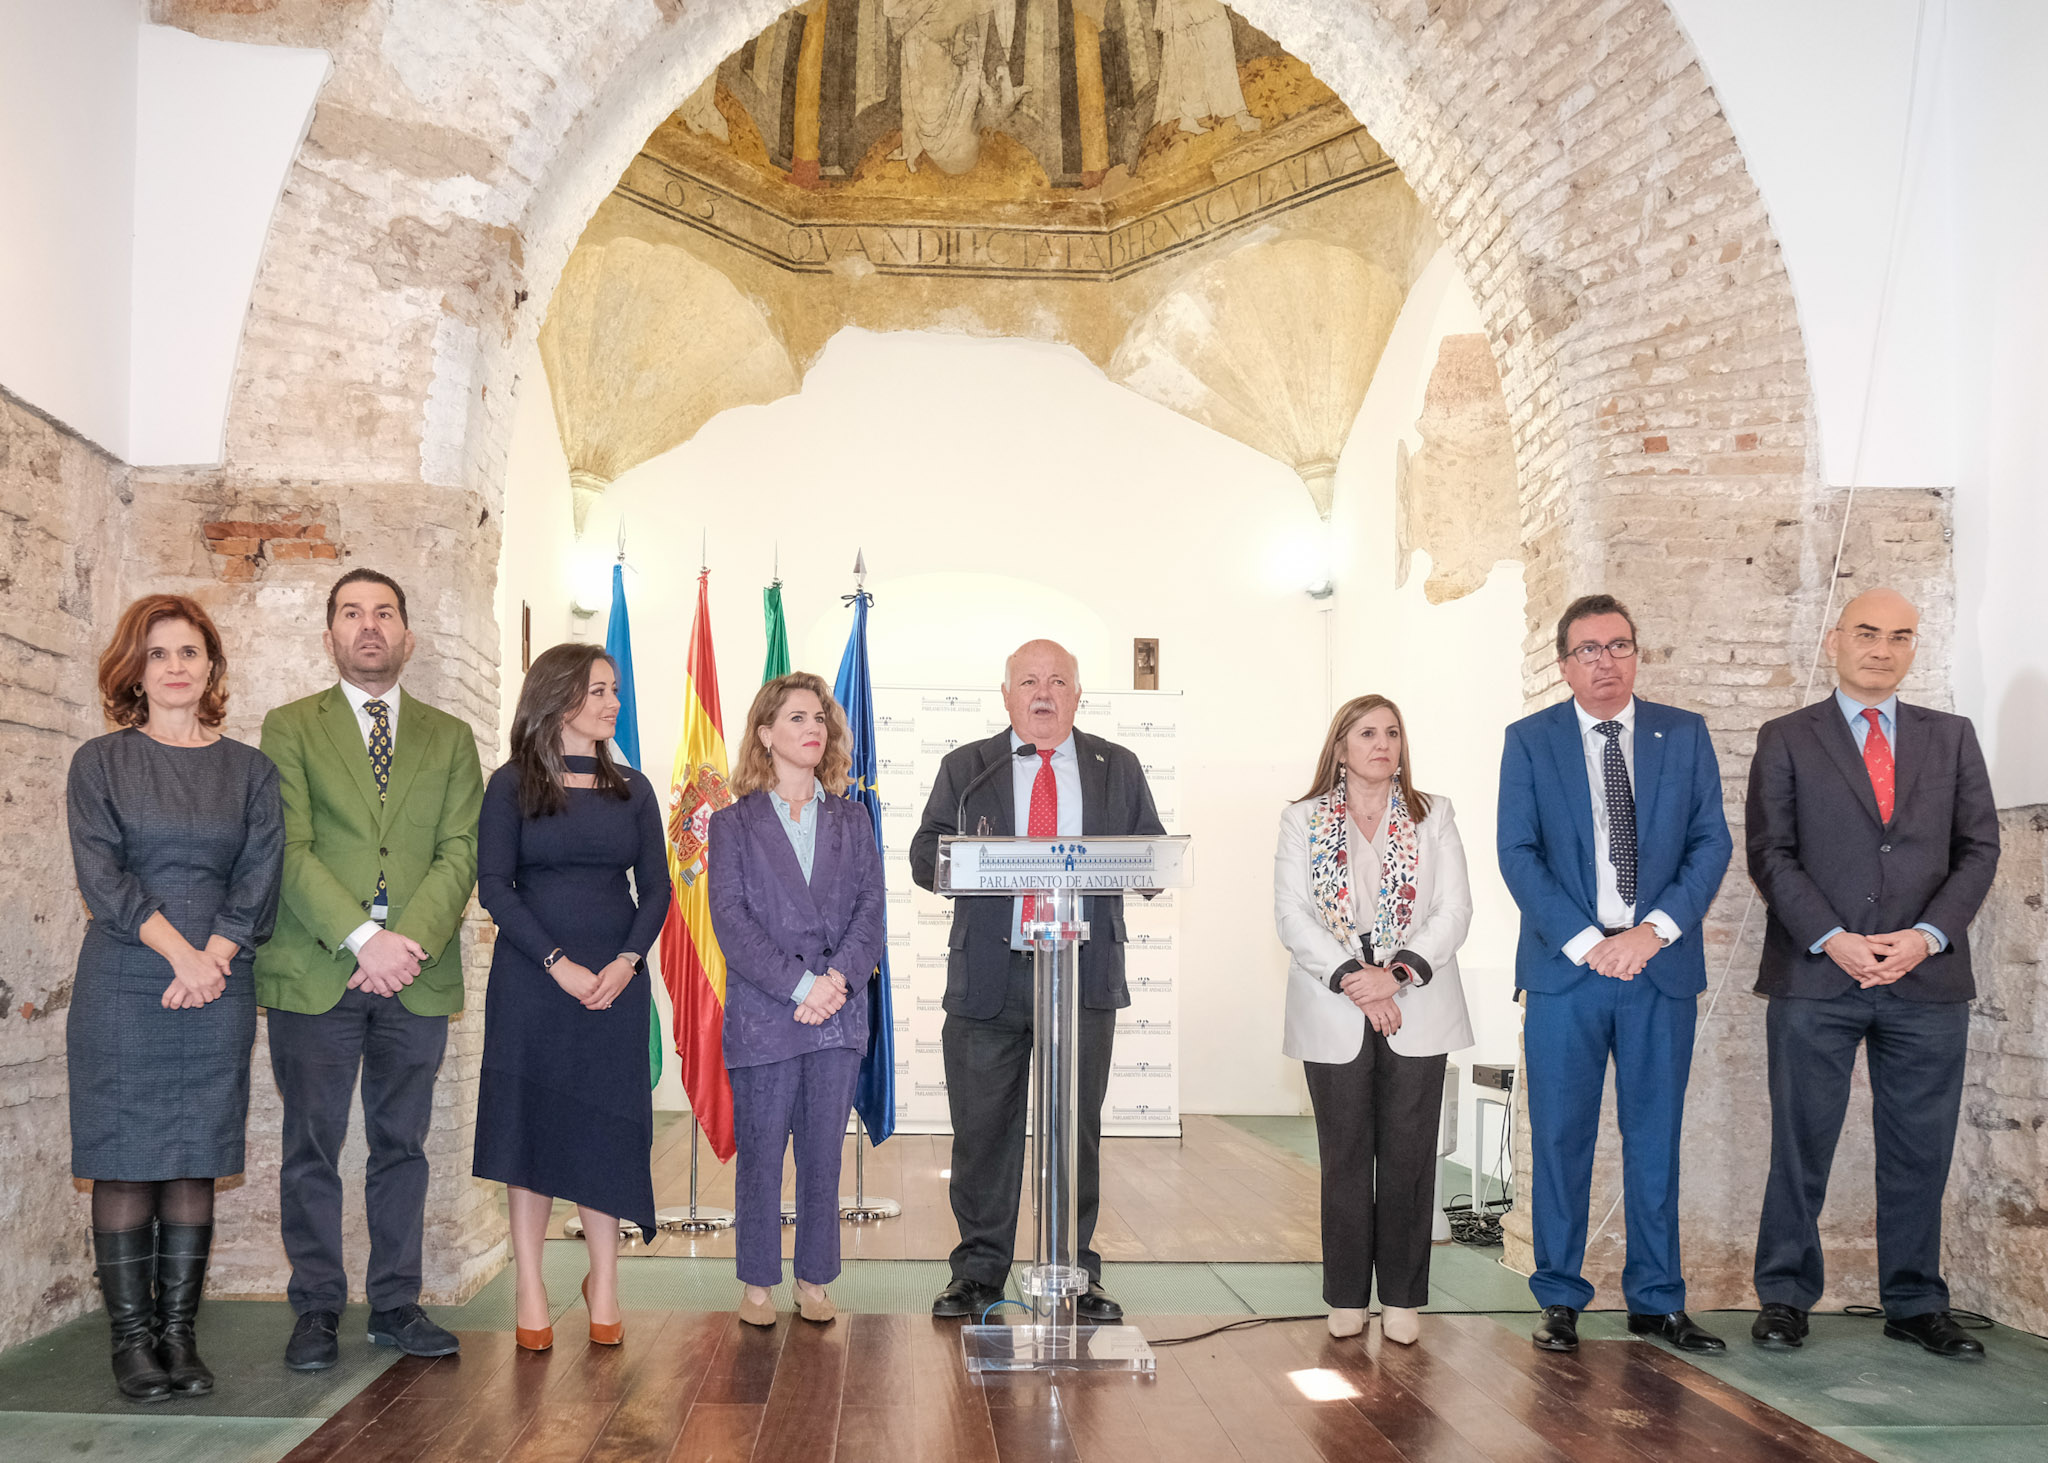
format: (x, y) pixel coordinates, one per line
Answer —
(1275, 1290)
(1295, 1134)
(242, 1340)
(152, 1437)
(1946, 1444)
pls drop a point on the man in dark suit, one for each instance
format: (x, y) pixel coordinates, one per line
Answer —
(1074, 785)
(1873, 837)
(1613, 843)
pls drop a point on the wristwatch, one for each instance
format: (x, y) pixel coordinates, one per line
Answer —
(1933, 947)
(553, 956)
(630, 958)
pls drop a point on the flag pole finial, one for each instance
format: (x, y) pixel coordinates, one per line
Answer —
(860, 570)
(622, 539)
(704, 554)
(776, 576)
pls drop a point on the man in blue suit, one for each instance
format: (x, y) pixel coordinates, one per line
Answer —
(1613, 843)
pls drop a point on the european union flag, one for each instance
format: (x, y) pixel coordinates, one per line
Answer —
(874, 1097)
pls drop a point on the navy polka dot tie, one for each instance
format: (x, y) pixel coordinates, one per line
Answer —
(380, 763)
(1621, 812)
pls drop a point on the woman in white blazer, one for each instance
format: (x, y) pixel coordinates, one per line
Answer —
(1372, 901)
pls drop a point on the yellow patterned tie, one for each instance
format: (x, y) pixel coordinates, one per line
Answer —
(380, 764)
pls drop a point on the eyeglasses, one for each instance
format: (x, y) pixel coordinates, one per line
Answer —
(1589, 653)
(1897, 639)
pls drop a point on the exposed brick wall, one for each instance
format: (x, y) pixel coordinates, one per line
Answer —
(61, 502)
(1570, 152)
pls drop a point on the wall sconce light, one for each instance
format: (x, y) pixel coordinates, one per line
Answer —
(1321, 589)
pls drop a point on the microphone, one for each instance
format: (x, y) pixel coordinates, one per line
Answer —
(960, 817)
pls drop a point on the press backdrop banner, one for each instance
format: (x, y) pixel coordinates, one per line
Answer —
(915, 727)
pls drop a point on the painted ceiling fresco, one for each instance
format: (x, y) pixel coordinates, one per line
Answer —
(1018, 102)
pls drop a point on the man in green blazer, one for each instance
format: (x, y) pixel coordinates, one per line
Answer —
(381, 793)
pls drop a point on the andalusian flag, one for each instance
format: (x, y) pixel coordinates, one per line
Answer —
(691, 961)
(778, 634)
(618, 644)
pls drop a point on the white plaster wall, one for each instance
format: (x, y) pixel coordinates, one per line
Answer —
(1001, 489)
(217, 126)
(67, 209)
(1818, 94)
(1999, 53)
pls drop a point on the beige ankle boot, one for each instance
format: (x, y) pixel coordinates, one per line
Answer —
(1346, 1322)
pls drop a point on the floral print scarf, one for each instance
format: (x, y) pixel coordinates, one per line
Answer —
(1329, 870)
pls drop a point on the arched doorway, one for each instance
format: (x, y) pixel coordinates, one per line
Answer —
(1573, 159)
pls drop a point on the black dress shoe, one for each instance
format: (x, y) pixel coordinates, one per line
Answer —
(1678, 1328)
(408, 1329)
(313, 1347)
(1096, 1306)
(1938, 1332)
(964, 1297)
(1558, 1330)
(1779, 1327)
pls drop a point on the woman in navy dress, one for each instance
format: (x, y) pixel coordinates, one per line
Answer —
(177, 836)
(565, 1107)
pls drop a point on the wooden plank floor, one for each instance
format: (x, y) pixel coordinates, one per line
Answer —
(1216, 1194)
(703, 1388)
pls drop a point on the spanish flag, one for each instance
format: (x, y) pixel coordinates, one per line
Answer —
(691, 961)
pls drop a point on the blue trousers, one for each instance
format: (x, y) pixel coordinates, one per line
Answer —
(806, 1098)
(1568, 1038)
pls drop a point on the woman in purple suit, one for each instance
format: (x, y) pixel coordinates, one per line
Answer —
(796, 899)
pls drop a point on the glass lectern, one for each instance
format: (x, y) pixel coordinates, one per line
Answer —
(1056, 874)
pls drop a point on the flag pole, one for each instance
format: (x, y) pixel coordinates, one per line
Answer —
(858, 1207)
(698, 1218)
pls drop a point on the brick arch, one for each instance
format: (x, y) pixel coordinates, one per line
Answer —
(1571, 152)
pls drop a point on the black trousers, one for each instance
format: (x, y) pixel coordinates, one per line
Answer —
(1916, 1051)
(1378, 1118)
(988, 1089)
(315, 1060)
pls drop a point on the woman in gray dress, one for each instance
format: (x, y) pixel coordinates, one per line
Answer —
(177, 836)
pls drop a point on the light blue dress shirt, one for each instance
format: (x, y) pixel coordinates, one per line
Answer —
(1859, 727)
(803, 839)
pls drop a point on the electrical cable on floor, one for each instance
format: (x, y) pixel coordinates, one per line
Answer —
(1244, 1325)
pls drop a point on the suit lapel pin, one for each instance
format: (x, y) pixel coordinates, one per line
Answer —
(1658, 735)
(1098, 756)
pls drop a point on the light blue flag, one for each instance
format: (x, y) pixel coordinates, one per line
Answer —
(618, 644)
(874, 1096)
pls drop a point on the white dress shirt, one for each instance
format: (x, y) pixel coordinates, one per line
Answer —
(358, 698)
(1066, 781)
(1615, 913)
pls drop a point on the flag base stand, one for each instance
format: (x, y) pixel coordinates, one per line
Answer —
(1064, 1348)
(860, 1207)
(789, 1211)
(695, 1218)
(856, 1210)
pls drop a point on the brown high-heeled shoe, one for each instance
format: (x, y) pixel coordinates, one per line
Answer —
(542, 1339)
(603, 1333)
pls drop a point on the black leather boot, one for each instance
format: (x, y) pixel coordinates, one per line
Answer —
(126, 1261)
(180, 1277)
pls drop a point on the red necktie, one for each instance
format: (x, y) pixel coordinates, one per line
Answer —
(1045, 816)
(1877, 760)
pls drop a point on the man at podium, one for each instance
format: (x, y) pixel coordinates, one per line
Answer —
(1042, 779)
